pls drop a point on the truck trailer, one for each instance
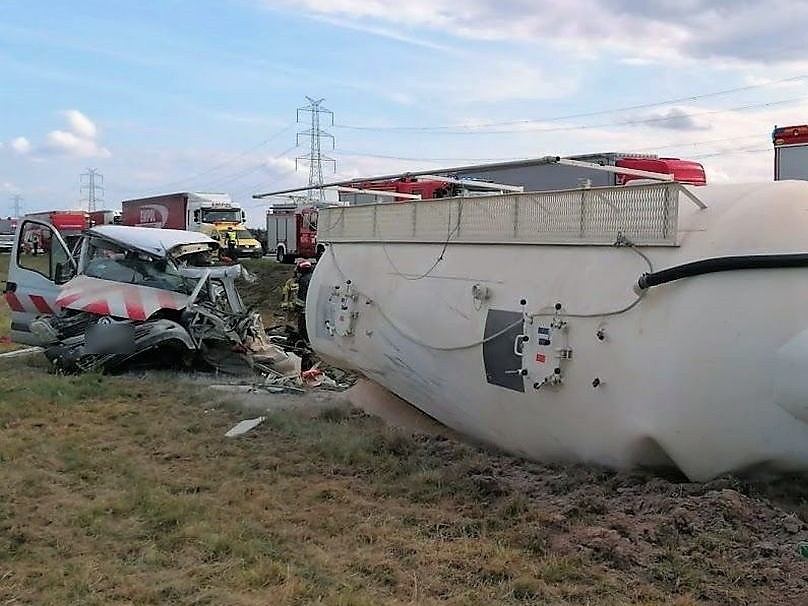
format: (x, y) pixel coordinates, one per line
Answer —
(7, 228)
(105, 217)
(214, 214)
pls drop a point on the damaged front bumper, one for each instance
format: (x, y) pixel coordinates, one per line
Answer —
(152, 344)
(212, 331)
(204, 339)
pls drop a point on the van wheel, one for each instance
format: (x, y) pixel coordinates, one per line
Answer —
(280, 254)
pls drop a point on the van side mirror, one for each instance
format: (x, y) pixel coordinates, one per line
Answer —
(63, 272)
(196, 216)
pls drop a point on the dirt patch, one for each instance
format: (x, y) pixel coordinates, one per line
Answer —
(728, 541)
(376, 400)
(266, 293)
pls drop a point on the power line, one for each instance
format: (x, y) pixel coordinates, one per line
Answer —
(315, 157)
(580, 115)
(255, 186)
(762, 135)
(216, 167)
(681, 144)
(93, 183)
(732, 152)
(410, 159)
(251, 169)
(632, 122)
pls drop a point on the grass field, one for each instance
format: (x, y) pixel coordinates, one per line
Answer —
(124, 490)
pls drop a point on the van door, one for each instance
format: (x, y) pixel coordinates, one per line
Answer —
(40, 263)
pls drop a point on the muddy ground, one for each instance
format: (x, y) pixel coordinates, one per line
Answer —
(266, 293)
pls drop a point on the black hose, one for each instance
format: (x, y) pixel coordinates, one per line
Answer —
(709, 266)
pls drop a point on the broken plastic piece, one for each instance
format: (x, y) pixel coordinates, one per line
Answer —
(312, 377)
(244, 426)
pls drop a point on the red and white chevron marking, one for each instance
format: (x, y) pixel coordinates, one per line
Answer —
(117, 299)
(33, 304)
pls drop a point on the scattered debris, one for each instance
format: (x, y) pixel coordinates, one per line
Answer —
(293, 383)
(244, 426)
(21, 352)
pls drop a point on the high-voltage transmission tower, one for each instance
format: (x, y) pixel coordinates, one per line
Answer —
(17, 199)
(315, 157)
(93, 183)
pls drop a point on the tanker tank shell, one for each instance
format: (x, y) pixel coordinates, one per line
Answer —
(548, 352)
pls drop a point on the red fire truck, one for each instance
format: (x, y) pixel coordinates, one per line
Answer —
(365, 192)
(790, 152)
(69, 223)
(292, 232)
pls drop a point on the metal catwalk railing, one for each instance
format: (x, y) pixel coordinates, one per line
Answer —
(644, 214)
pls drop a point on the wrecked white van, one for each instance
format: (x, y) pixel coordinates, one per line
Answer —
(131, 297)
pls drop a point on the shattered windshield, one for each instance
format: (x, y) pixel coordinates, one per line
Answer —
(213, 215)
(108, 261)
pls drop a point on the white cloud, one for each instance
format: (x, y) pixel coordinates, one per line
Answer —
(79, 141)
(80, 124)
(494, 80)
(753, 80)
(734, 31)
(71, 144)
(21, 145)
(280, 164)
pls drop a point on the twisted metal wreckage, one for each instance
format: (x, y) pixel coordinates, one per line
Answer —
(139, 297)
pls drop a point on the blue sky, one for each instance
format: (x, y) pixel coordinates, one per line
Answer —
(200, 95)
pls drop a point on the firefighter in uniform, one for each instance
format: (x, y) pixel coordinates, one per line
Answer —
(294, 298)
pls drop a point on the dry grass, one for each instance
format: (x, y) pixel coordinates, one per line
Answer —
(123, 491)
(119, 491)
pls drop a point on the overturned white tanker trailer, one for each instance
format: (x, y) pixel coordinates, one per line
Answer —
(654, 325)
